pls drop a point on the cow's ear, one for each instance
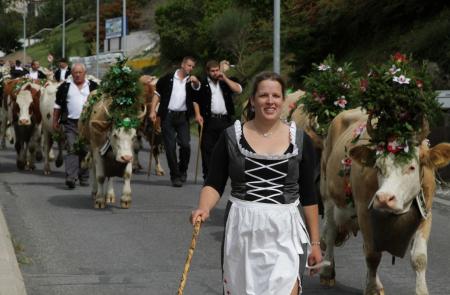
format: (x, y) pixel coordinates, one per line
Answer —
(439, 155)
(363, 155)
(101, 126)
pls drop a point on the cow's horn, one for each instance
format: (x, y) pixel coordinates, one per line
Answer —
(106, 111)
(369, 127)
(424, 131)
(142, 114)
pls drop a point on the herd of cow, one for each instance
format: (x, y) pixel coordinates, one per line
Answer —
(27, 122)
(390, 204)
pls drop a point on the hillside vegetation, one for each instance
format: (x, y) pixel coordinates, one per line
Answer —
(359, 31)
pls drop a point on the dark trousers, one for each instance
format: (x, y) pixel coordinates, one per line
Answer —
(175, 130)
(212, 128)
(74, 155)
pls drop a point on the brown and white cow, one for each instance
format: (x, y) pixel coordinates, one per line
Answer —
(49, 135)
(151, 132)
(111, 150)
(22, 105)
(385, 198)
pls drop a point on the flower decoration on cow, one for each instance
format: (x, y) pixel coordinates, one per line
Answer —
(330, 89)
(121, 84)
(401, 103)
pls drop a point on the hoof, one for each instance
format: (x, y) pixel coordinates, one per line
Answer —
(99, 204)
(59, 162)
(47, 172)
(327, 282)
(30, 167)
(21, 165)
(39, 156)
(110, 199)
(160, 173)
(125, 204)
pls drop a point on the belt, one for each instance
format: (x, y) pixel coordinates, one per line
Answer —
(219, 116)
(176, 112)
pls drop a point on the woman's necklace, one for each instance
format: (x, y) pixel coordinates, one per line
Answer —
(264, 134)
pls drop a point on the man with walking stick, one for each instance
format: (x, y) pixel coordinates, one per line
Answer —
(215, 101)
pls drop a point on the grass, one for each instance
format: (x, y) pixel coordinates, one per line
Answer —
(22, 259)
(75, 43)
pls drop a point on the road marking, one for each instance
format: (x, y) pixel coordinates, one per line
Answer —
(442, 201)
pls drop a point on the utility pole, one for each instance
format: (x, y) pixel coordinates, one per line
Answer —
(64, 29)
(24, 34)
(97, 41)
(124, 27)
(276, 36)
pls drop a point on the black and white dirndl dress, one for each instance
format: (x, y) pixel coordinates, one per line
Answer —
(266, 241)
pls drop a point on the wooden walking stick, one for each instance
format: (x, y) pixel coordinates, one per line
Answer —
(198, 153)
(187, 265)
(152, 143)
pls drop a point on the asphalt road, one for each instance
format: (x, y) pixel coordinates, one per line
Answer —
(75, 249)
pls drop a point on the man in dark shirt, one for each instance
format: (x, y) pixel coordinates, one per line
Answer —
(174, 95)
(18, 71)
(214, 98)
(63, 70)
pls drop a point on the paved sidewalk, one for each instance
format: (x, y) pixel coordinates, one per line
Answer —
(11, 280)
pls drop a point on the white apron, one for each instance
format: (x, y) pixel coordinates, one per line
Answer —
(262, 247)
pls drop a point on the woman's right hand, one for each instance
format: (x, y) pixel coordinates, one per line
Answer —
(199, 213)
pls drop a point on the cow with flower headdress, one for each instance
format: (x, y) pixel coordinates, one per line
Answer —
(386, 183)
(108, 125)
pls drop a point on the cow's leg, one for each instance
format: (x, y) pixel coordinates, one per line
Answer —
(110, 195)
(100, 201)
(373, 258)
(3, 126)
(137, 145)
(125, 199)
(158, 169)
(419, 256)
(329, 233)
(373, 283)
(35, 143)
(47, 141)
(21, 155)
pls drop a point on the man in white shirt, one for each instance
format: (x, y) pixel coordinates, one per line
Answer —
(63, 71)
(174, 95)
(70, 98)
(214, 98)
(35, 73)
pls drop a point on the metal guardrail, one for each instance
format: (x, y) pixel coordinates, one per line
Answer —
(444, 98)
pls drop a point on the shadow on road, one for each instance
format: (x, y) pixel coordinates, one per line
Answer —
(78, 201)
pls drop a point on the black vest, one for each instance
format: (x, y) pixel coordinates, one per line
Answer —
(61, 97)
(164, 88)
(204, 98)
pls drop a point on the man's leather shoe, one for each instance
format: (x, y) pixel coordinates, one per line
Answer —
(70, 183)
(177, 182)
(84, 182)
(183, 177)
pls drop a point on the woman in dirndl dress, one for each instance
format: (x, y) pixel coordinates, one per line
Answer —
(270, 163)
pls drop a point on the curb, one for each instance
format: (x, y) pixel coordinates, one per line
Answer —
(11, 280)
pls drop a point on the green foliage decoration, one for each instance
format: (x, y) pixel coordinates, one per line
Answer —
(121, 83)
(330, 89)
(399, 95)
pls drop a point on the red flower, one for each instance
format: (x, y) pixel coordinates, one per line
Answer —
(363, 84)
(398, 57)
(292, 106)
(419, 83)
